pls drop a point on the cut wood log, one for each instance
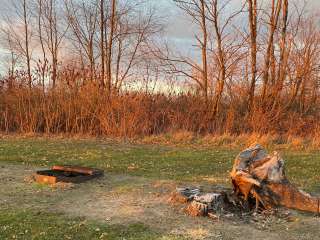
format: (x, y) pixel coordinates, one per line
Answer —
(77, 169)
(260, 177)
(197, 209)
(214, 201)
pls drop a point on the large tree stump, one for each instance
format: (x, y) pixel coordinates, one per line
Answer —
(260, 178)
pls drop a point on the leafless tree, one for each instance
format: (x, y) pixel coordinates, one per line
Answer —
(284, 53)
(18, 38)
(273, 26)
(83, 20)
(102, 50)
(197, 10)
(109, 43)
(226, 53)
(219, 50)
(42, 64)
(53, 32)
(26, 42)
(252, 9)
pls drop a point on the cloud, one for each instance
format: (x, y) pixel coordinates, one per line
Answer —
(180, 27)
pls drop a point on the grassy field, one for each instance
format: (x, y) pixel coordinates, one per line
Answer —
(27, 209)
(186, 163)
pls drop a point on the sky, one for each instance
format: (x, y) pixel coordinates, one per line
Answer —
(178, 26)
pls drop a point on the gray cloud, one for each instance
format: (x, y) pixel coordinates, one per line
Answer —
(179, 27)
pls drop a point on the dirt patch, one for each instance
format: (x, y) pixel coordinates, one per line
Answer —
(120, 199)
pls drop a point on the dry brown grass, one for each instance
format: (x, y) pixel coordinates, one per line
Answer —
(238, 141)
(88, 111)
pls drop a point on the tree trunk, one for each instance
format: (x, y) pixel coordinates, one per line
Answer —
(253, 50)
(204, 52)
(283, 55)
(276, 8)
(221, 61)
(110, 45)
(102, 20)
(28, 58)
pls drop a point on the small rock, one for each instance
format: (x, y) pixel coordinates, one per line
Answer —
(189, 192)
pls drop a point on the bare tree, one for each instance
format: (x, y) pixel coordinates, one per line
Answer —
(284, 52)
(8, 43)
(303, 68)
(43, 64)
(252, 9)
(110, 44)
(131, 40)
(53, 33)
(26, 42)
(17, 39)
(203, 44)
(197, 10)
(273, 25)
(102, 50)
(83, 21)
(226, 53)
(215, 28)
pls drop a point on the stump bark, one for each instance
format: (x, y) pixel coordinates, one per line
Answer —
(259, 179)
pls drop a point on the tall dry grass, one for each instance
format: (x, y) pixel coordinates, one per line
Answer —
(87, 110)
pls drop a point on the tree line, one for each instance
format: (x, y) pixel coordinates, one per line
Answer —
(107, 67)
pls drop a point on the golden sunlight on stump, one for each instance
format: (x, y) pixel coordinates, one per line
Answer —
(259, 183)
(259, 180)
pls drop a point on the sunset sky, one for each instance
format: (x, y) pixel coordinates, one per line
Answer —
(178, 26)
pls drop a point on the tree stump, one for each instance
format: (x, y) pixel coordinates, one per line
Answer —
(259, 178)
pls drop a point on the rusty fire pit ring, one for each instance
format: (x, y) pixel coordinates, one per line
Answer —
(67, 174)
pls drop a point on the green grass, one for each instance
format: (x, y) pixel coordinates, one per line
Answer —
(191, 163)
(47, 226)
(138, 160)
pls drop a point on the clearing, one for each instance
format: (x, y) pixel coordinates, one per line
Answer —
(130, 201)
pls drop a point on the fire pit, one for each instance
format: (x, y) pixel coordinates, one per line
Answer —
(67, 174)
(259, 184)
